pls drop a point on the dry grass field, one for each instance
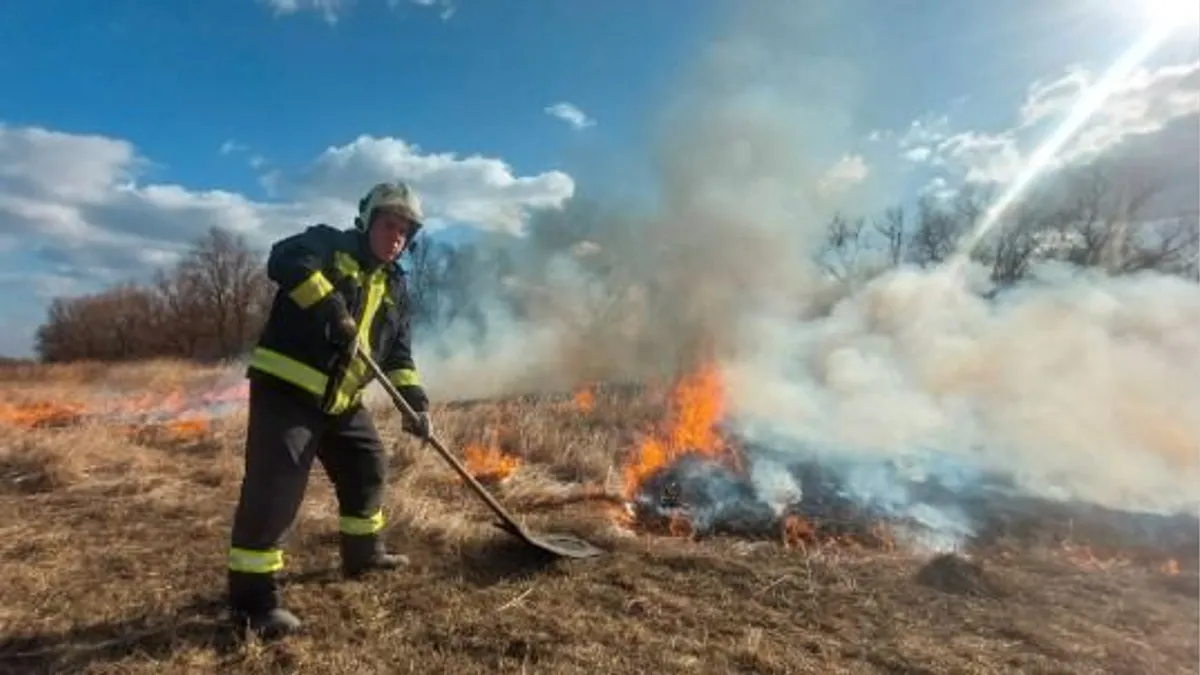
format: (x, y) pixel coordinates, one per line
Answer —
(116, 493)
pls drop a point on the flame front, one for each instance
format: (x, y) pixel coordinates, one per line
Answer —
(585, 400)
(181, 416)
(489, 464)
(40, 414)
(697, 404)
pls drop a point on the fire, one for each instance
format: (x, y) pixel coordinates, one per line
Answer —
(489, 464)
(40, 414)
(697, 405)
(798, 532)
(187, 429)
(176, 414)
(585, 400)
(1170, 567)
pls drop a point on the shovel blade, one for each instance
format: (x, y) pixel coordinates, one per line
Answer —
(562, 545)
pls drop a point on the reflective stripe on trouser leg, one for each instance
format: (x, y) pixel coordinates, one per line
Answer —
(281, 441)
(361, 526)
(356, 462)
(255, 562)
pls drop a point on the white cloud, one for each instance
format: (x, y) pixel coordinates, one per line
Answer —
(75, 202)
(331, 10)
(1144, 103)
(46, 286)
(938, 188)
(475, 189)
(918, 154)
(925, 131)
(231, 146)
(571, 114)
(1147, 103)
(849, 171)
(447, 6)
(986, 158)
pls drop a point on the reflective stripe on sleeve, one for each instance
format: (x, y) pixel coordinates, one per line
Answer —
(311, 290)
(404, 377)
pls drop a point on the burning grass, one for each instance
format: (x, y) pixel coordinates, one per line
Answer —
(115, 516)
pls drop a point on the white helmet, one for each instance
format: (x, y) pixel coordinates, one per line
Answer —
(397, 196)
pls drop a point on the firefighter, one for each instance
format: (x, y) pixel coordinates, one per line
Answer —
(336, 288)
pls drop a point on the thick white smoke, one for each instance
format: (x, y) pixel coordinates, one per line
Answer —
(1075, 385)
(1082, 387)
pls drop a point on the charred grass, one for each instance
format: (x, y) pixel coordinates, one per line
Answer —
(112, 549)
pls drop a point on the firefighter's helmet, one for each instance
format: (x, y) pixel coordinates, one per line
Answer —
(396, 196)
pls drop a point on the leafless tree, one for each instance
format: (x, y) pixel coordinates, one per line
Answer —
(227, 275)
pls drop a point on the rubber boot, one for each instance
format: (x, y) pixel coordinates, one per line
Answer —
(363, 553)
(254, 602)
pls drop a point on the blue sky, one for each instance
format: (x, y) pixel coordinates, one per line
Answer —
(128, 126)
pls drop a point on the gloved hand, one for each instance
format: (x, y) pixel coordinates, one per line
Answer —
(422, 427)
(339, 325)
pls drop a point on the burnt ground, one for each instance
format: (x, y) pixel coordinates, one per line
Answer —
(113, 552)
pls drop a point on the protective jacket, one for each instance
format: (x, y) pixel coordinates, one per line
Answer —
(310, 268)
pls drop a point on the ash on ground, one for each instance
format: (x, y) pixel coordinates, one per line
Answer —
(714, 499)
(710, 497)
(953, 574)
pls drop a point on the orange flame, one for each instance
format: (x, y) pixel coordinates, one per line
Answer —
(585, 400)
(797, 531)
(1170, 567)
(180, 415)
(187, 429)
(489, 464)
(40, 414)
(696, 406)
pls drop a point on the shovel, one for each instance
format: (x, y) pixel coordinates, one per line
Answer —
(563, 545)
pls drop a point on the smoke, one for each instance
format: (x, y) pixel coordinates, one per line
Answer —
(743, 151)
(1070, 386)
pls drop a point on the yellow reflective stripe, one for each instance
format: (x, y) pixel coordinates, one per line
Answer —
(300, 374)
(312, 380)
(311, 290)
(356, 373)
(346, 265)
(353, 525)
(286, 368)
(255, 562)
(404, 377)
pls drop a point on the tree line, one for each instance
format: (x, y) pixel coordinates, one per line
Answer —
(212, 303)
(1089, 218)
(209, 305)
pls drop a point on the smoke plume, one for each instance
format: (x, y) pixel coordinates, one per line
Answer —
(1067, 386)
(610, 291)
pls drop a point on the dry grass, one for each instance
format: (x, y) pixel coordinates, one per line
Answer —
(113, 541)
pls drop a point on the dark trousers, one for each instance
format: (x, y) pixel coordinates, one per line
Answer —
(285, 433)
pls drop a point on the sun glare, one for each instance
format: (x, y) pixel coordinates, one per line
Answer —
(1171, 13)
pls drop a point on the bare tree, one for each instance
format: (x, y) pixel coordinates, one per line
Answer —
(890, 227)
(227, 275)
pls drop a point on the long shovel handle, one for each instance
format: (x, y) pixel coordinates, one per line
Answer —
(510, 522)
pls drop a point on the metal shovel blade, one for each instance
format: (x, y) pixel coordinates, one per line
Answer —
(562, 545)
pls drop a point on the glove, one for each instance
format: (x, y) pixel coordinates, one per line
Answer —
(421, 427)
(340, 328)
